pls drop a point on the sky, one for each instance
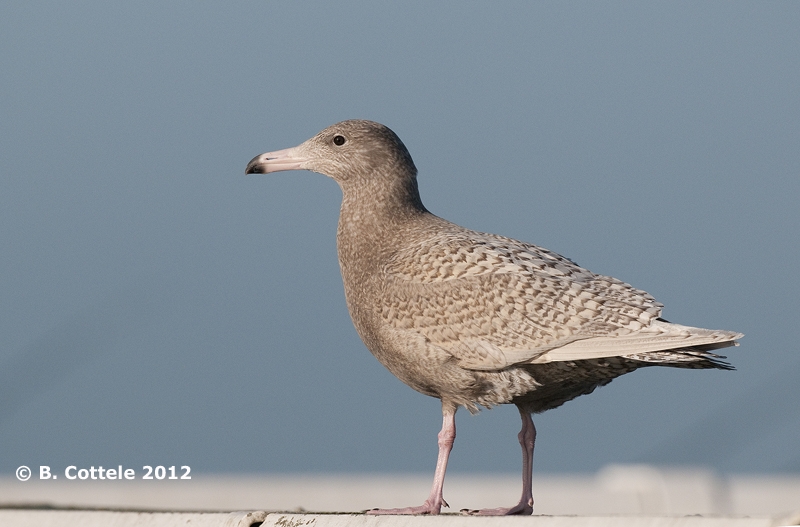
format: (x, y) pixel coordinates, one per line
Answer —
(159, 307)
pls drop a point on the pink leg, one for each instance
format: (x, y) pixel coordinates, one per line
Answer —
(433, 505)
(527, 438)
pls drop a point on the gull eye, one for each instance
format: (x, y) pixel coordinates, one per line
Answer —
(338, 140)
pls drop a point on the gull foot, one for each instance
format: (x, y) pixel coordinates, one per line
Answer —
(520, 509)
(425, 508)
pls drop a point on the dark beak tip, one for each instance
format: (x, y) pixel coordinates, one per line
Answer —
(255, 166)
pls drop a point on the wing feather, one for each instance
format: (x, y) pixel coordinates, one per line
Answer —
(492, 302)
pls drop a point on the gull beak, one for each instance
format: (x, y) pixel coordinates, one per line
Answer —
(275, 161)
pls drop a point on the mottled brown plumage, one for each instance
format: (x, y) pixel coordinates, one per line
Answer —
(471, 318)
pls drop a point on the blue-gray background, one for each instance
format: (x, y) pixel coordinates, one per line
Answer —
(159, 307)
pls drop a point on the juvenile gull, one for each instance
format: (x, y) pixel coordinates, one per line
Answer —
(476, 319)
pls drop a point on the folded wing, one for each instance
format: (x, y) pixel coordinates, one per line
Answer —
(494, 302)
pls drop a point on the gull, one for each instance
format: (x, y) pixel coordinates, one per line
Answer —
(475, 319)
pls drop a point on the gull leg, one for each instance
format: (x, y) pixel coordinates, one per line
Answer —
(527, 439)
(433, 505)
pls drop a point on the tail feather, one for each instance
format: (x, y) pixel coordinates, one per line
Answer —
(695, 357)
